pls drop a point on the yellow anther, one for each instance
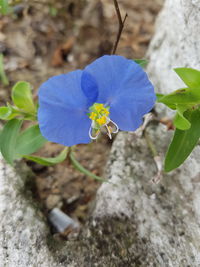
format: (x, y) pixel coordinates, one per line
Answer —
(93, 116)
(99, 107)
(99, 114)
(101, 120)
(105, 111)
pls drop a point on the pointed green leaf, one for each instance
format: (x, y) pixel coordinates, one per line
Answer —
(184, 96)
(49, 161)
(190, 77)
(141, 62)
(183, 142)
(5, 113)
(22, 97)
(161, 99)
(8, 139)
(180, 121)
(159, 96)
(8, 113)
(29, 141)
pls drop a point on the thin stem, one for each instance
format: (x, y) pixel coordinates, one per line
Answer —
(150, 144)
(80, 168)
(3, 76)
(121, 25)
(157, 159)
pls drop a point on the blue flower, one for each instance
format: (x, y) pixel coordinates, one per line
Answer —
(109, 94)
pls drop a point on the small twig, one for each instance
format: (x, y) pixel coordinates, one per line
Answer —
(121, 26)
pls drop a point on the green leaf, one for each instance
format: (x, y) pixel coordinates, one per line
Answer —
(5, 113)
(0, 139)
(10, 112)
(180, 121)
(29, 141)
(184, 96)
(80, 168)
(4, 8)
(183, 142)
(8, 139)
(22, 97)
(159, 100)
(159, 96)
(190, 77)
(49, 161)
(141, 62)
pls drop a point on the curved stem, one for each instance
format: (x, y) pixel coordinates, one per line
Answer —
(82, 169)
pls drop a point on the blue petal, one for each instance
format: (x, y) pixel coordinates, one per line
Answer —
(62, 110)
(89, 87)
(125, 87)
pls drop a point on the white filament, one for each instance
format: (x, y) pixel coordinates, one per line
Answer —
(109, 132)
(90, 134)
(116, 126)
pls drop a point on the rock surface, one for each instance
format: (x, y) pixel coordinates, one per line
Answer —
(134, 222)
(175, 44)
(23, 233)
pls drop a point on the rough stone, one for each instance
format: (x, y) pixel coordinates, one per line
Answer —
(23, 232)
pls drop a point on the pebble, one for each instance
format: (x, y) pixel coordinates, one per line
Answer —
(53, 201)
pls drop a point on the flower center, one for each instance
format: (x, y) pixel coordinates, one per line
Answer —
(100, 119)
(98, 115)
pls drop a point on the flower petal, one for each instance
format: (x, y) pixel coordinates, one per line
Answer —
(125, 87)
(89, 87)
(62, 110)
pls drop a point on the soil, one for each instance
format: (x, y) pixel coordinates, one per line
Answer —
(45, 38)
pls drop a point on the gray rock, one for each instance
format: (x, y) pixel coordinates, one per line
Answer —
(23, 232)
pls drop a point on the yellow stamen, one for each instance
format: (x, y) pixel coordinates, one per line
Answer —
(99, 114)
(99, 107)
(93, 116)
(105, 111)
(101, 120)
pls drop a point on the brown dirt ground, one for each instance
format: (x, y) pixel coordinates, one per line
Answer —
(38, 44)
